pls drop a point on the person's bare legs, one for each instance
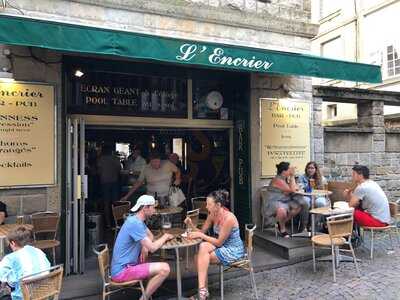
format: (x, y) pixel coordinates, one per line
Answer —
(205, 256)
(282, 217)
(158, 273)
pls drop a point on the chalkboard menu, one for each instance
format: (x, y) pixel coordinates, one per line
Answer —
(120, 94)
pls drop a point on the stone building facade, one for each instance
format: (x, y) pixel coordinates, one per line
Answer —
(278, 25)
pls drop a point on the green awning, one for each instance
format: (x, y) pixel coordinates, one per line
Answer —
(75, 38)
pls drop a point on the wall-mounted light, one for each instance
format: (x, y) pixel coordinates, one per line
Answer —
(6, 74)
(78, 73)
(290, 94)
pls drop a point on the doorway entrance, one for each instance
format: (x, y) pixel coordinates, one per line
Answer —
(204, 158)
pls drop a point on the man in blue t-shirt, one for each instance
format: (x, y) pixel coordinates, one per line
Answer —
(132, 245)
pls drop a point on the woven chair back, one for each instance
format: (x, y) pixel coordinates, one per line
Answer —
(200, 203)
(45, 223)
(103, 257)
(119, 209)
(44, 285)
(394, 209)
(337, 188)
(248, 236)
(340, 225)
(194, 216)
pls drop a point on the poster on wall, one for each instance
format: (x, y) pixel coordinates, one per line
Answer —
(285, 134)
(27, 137)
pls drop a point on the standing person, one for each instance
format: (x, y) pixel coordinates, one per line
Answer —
(226, 248)
(25, 260)
(312, 173)
(369, 200)
(158, 177)
(132, 245)
(283, 203)
(135, 163)
(109, 168)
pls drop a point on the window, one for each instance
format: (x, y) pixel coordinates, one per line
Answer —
(333, 48)
(393, 61)
(332, 111)
(328, 7)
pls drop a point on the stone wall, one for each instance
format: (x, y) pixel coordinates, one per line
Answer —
(368, 144)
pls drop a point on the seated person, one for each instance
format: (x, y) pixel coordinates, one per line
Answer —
(132, 245)
(313, 179)
(226, 248)
(3, 212)
(25, 260)
(369, 200)
(282, 203)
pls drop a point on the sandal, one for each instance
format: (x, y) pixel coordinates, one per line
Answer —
(202, 295)
(284, 234)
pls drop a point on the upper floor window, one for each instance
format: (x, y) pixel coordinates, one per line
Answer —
(393, 61)
(328, 7)
(333, 48)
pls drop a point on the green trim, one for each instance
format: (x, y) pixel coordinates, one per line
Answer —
(75, 38)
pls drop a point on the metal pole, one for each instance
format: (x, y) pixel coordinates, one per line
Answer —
(82, 197)
(178, 274)
(75, 198)
(68, 204)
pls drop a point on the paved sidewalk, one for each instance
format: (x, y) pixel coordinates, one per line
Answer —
(380, 279)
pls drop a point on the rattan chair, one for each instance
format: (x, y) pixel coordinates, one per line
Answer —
(45, 227)
(44, 285)
(119, 210)
(388, 229)
(109, 286)
(340, 228)
(244, 263)
(201, 204)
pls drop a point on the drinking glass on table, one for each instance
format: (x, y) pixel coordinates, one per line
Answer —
(166, 222)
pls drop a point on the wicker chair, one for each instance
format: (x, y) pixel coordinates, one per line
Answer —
(119, 210)
(340, 228)
(45, 224)
(201, 204)
(244, 263)
(388, 229)
(44, 285)
(109, 286)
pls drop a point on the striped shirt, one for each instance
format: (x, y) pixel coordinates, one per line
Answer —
(20, 263)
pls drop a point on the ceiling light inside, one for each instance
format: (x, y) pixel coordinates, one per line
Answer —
(79, 73)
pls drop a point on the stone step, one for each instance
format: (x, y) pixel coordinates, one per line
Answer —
(292, 249)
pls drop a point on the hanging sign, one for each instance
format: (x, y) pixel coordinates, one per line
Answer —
(27, 139)
(285, 134)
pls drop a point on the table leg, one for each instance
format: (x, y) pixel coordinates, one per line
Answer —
(178, 274)
(2, 242)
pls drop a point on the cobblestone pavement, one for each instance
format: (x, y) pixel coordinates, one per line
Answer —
(380, 278)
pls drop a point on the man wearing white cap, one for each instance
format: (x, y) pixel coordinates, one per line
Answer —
(133, 242)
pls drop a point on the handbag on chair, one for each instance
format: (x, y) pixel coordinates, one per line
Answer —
(176, 196)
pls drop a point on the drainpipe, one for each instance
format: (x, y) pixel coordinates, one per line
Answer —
(357, 34)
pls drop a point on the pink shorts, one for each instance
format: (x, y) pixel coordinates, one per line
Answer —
(133, 272)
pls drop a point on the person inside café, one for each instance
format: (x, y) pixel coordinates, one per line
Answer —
(226, 248)
(371, 206)
(109, 168)
(133, 243)
(24, 260)
(135, 163)
(313, 179)
(283, 202)
(3, 212)
(158, 176)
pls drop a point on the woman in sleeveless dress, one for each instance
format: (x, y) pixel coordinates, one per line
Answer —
(226, 248)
